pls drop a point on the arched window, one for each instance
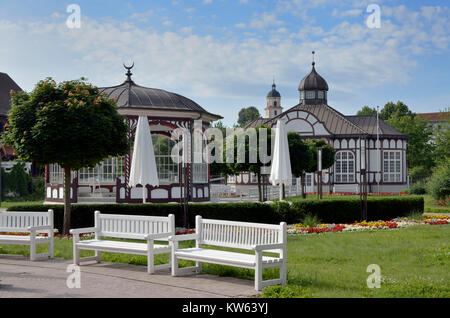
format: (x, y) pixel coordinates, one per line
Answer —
(275, 103)
(344, 171)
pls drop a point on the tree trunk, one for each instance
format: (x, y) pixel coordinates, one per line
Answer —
(283, 192)
(259, 188)
(67, 181)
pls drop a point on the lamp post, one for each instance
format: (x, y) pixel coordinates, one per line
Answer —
(319, 173)
(363, 180)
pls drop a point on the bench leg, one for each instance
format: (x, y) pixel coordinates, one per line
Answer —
(76, 255)
(283, 270)
(258, 271)
(98, 256)
(150, 263)
(198, 267)
(51, 247)
(33, 250)
(173, 259)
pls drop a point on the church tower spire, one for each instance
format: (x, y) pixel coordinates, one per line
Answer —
(273, 107)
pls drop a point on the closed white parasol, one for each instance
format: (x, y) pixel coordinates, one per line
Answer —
(280, 172)
(143, 164)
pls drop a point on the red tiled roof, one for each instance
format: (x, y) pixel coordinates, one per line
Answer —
(435, 117)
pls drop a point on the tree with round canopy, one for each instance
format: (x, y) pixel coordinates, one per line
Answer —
(69, 124)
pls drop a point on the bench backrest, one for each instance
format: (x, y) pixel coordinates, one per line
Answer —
(241, 235)
(20, 221)
(133, 226)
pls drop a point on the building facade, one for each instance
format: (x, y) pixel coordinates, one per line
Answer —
(361, 143)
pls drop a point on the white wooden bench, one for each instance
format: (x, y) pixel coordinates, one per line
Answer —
(239, 235)
(32, 223)
(148, 228)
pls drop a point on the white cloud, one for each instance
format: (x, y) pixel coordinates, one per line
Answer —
(207, 1)
(349, 56)
(265, 20)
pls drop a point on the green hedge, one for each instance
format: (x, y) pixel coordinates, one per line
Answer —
(330, 211)
(349, 210)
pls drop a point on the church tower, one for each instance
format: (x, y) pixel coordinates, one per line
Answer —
(273, 103)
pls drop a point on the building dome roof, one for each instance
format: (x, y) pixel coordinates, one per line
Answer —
(273, 92)
(313, 82)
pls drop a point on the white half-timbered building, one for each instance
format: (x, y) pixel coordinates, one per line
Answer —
(313, 118)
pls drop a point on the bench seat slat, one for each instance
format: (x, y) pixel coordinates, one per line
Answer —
(223, 257)
(118, 246)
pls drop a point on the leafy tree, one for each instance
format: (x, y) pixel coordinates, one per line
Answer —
(328, 154)
(420, 151)
(301, 157)
(69, 124)
(366, 110)
(439, 183)
(238, 167)
(399, 109)
(247, 115)
(441, 138)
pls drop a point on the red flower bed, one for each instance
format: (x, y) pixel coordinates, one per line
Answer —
(440, 222)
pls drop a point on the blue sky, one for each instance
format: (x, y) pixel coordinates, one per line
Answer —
(224, 53)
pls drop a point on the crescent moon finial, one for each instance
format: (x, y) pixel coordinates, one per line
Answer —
(128, 73)
(128, 67)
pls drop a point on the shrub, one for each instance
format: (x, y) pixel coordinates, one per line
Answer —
(330, 211)
(18, 181)
(417, 189)
(310, 220)
(439, 183)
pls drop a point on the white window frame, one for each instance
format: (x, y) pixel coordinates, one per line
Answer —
(56, 174)
(167, 168)
(310, 94)
(392, 166)
(106, 171)
(344, 167)
(320, 94)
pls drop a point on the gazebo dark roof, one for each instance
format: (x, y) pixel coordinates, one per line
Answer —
(131, 95)
(6, 85)
(313, 81)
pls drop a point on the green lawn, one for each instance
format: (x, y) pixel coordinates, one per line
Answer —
(414, 262)
(431, 205)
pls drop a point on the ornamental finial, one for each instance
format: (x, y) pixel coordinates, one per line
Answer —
(128, 73)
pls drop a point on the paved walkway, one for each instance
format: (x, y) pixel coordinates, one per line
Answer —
(21, 278)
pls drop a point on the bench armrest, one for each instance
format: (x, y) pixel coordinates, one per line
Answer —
(263, 247)
(158, 236)
(84, 230)
(183, 237)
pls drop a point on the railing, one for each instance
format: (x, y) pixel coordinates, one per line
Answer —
(273, 192)
(220, 190)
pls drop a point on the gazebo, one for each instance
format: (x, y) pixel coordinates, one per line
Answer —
(108, 181)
